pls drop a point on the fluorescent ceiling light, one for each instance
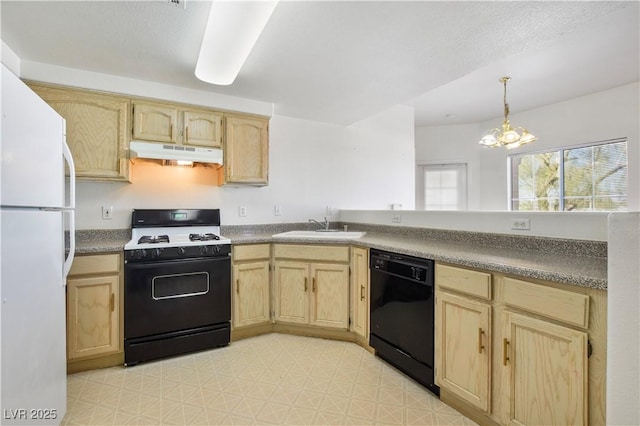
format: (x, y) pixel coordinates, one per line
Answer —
(231, 32)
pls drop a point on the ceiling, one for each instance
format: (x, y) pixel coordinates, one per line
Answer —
(340, 62)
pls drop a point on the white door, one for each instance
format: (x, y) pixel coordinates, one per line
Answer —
(33, 317)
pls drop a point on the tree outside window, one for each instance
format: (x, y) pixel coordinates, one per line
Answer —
(585, 178)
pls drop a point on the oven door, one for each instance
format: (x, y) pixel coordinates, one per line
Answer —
(174, 295)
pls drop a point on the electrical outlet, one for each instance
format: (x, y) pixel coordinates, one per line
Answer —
(107, 212)
(329, 211)
(520, 224)
(396, 218)
(277, 210)
(242, 211)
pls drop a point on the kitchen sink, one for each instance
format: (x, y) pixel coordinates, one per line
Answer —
(321, 234)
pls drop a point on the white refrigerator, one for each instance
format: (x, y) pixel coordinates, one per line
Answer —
(34, 213)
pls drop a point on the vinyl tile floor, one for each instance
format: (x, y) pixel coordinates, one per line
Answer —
(274, 379)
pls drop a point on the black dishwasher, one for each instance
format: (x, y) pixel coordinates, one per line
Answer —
(402, 314)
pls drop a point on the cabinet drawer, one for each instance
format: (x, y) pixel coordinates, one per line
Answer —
(249, 252)
(464, 281)
(309, 252)
(95, 264)
(561, 305)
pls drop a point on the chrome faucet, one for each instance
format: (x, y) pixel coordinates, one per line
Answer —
(323, 226)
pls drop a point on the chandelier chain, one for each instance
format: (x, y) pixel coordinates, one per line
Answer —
(504, 98)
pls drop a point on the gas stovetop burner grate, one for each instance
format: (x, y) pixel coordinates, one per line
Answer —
(147, 239)
(203, 237)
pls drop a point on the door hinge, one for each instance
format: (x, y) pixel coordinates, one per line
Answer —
(589, 349)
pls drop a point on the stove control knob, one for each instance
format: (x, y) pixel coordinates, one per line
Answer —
(156, 252)
(181, 250)
(216, 249)
(204, 249)
(141, 254)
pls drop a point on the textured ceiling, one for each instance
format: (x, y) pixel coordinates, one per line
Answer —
(343, 61)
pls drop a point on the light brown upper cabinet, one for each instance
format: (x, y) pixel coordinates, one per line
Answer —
(97, 127)
(246, 150)
(156, 122)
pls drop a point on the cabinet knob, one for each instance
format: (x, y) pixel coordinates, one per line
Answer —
(480, 346)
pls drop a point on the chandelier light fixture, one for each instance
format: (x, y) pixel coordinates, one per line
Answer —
(507, 136)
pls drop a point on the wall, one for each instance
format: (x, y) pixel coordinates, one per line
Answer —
(577, 226)
(604, 115)
(623, 320)
(312, 165)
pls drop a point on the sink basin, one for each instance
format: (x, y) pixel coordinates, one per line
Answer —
(321, 235)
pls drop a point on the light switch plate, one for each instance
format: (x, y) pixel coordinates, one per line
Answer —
(242, 211)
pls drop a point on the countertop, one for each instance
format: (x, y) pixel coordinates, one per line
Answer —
(568, 268)
(546, 259)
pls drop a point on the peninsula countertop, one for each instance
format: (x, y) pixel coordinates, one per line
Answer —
(570, 268)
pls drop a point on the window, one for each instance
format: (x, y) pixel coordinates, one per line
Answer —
(442, 187)
(585, 178)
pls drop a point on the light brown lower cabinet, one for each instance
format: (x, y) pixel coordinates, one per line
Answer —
(311, 285)
(360, 292)
(250, 285)
(464, 365)
(545, 372)
(312, 293)
(93, 307)
(520, 352)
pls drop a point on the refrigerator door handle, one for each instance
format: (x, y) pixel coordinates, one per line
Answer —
(66, 153)
(72, 246)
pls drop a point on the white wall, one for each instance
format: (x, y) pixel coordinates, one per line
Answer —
(623, 320)
(604, 115)
(577, 226)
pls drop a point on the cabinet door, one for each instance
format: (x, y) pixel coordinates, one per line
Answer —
(291, 282)
(92, 316)
(546, 372)
(464, 348)
(251, 297)
(246, 152)
(360, 292)
(330, 295)
(96, 127)
(203, 129)
(157, 123)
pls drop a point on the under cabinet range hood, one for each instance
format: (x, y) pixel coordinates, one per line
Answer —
(159, 151)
